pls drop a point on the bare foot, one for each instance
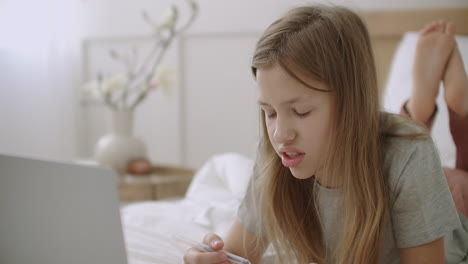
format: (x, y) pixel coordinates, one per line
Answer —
(456, 84)
(434, 47)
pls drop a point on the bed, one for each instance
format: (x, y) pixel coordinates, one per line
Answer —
(217, 188)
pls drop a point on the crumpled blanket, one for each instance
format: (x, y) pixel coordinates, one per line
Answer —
(210, 205)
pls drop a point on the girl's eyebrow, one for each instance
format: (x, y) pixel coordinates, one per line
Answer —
(290, 101)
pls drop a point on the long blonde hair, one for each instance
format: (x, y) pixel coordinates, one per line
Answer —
(332, 45)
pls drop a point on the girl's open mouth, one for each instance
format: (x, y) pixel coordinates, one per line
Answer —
(292, 159)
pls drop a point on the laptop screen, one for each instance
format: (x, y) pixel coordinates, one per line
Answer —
(55, 213)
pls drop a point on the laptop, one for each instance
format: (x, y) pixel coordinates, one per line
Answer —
(58, 213)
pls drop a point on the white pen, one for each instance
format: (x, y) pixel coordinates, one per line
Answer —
(205, 248)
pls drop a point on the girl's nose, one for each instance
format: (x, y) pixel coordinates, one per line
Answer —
(284, 134)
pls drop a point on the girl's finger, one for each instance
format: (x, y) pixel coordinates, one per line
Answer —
(193, 256)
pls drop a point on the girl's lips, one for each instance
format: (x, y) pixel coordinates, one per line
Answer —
(291, 162)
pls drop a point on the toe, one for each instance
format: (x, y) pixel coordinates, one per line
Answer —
(441, 25)
(450, 28)
(429, 28)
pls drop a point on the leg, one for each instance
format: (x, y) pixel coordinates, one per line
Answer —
(428, 123)
(459, 131)
(434, 47)
(456, 84)
(457, 181)
(456, 97)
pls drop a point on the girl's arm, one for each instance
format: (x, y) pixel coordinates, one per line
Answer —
(430, 253)
(234, 243)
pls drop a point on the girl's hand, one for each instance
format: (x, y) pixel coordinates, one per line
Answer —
(194, 256)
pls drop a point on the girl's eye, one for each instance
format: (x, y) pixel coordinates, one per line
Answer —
(269, 114)
(302, 114)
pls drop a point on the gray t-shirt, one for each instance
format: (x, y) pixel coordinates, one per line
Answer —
(422, 208)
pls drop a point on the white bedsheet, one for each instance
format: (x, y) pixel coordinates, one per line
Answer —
(210, 205)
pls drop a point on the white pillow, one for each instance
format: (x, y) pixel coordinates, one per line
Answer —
(222, 177)
(398, 90)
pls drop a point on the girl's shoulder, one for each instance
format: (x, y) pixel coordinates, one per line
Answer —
(402, 136)
(397, 126)
(408, 151)
(421, 205)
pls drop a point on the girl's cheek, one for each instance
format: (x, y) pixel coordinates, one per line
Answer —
(270, 136)
(270, 129)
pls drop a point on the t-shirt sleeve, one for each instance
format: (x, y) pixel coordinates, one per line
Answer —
(247, 212)
(423, 209)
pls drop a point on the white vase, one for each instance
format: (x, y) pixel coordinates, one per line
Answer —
(119, 147)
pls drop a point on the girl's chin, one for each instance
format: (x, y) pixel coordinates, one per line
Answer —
(300, 175)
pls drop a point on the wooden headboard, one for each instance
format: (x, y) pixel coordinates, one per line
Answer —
(387, 27)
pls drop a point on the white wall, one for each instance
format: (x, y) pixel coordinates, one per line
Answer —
(221, 15)
(42, 117)
(39, 65)
(214, 107)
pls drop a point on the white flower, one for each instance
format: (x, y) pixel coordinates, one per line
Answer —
(163, 77)
(126, 90)
(92, 90)
(114, 83)
(169, 18)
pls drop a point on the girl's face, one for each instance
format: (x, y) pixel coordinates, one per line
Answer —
(297, 118)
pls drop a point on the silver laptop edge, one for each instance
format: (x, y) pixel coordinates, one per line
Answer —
(57, 212)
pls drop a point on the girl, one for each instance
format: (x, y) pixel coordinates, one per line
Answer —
(336, 180)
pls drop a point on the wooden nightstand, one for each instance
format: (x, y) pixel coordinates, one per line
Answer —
(164, 182)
